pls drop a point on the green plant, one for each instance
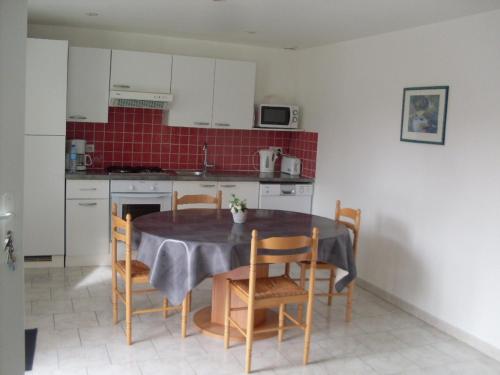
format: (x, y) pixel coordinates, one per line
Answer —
(236, 204)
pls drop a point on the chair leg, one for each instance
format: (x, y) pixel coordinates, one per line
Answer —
(307, 336)
(128, 310)
(165, 306)
(331, 283)
(281, 322)
(348, 308)
(300, 307)
(190, 299)
(114, 297)
(184, 315)
(249, 339)
(227, 314)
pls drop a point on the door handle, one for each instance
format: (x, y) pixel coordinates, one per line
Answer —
(88, 204)
(203, 123)
(9, 250)
(6, 215)
(207, 185)
(225, 124)
(228, 186)
(122, 86)
(78, 117)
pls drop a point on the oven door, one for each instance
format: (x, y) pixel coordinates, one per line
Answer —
(141, 204)
(275, 116)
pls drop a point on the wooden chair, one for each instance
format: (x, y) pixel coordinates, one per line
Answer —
(351, 218)
(133, 272)
(196, 199)
(259, 293)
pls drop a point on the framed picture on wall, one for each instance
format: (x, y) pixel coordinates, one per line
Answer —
(424, 114)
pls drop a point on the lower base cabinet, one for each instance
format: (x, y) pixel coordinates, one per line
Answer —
(87, 223)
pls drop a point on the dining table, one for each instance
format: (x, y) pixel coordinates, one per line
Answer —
(185, 247)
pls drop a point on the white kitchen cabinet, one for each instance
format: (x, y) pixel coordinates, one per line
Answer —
(43, 221)
(46, 82)
(234, 93)
(140, 71)
(87, 223)
(196, 187)
(192, 89)
(248, 190)
(88, 84)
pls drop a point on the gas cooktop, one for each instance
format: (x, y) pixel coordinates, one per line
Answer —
(130, 169)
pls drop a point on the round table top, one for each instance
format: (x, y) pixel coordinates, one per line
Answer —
(184, 247)
(217, 226)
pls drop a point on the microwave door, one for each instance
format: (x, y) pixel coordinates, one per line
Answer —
(275, 116)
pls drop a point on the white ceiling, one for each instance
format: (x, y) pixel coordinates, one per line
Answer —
(276, 23)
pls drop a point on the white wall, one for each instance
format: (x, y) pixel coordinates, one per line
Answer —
(431, 214)
(274, 81)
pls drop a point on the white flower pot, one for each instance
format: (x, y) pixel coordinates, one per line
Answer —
(239, 217)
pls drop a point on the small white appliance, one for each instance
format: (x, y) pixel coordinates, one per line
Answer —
(289, 197)
(267, 159)
(83, 160)
(277, 116)
(290, 165)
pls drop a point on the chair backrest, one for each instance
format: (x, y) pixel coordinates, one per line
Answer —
(275, 247)
(351, 218)
(121, 231)
(196, 199)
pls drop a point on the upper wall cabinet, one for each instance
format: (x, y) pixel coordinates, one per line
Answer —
(234, 92)
(46, 79)
(140, 71)
(88, 84)
(192, 88)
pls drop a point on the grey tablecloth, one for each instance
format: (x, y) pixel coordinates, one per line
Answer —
(184, 248)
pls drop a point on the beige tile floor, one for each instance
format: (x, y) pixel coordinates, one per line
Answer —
(72, 309)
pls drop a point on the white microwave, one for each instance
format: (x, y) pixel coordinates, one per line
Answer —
(277, 116)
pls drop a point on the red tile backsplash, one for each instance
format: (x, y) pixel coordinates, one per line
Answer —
(138, 137)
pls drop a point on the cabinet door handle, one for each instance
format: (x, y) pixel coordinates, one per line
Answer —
(88, 189)
(122, 86)
(204, 123)
(88, 204)
(225, 124)
(207, 185)
(77, 117)
(228, 186)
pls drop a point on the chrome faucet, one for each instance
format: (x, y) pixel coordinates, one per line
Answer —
(205, 159)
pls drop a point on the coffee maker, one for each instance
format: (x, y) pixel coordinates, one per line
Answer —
(83, 160)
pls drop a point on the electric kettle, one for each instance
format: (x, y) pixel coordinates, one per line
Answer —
(267, 160)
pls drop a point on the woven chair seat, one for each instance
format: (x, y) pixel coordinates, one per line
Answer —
(138, 268)
(319, 265)
(271, 287)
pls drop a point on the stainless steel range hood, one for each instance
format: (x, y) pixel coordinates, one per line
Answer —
(134, 99)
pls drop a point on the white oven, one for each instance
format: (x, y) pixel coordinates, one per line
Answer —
(141, 197)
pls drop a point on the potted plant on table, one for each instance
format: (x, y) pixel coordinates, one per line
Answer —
(238, 208)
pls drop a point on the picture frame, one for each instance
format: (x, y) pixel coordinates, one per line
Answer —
(423, 117)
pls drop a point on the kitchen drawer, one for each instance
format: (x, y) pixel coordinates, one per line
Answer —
(243, 190)
(87, 227)
(87, 189)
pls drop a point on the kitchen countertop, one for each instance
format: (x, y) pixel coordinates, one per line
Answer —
(171, 175)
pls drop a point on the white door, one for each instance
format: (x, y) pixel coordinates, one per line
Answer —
(192, 87)
(46, 77)
(88, 84)
(234, 92)
(44, 195)
(13, 30)
(140, 71)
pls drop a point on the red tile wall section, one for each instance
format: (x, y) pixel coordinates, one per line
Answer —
(138, 137)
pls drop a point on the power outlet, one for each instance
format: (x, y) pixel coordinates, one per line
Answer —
(277, 150)
(89, 147)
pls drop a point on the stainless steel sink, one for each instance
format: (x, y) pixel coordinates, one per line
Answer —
(186, 172)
